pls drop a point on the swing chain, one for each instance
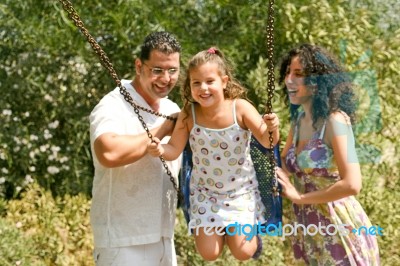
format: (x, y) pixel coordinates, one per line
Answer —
(105, 61)
(271, 87)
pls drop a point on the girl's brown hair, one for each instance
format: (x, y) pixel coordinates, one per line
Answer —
(233, 88)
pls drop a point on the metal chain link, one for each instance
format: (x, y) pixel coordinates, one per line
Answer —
(271, 87)
(105, 61)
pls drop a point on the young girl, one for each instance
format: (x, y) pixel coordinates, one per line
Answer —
(219, 124)
(320, 154)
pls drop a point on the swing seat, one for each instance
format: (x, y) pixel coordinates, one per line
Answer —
(260, 156)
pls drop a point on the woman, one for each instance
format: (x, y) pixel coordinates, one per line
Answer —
(320, 154)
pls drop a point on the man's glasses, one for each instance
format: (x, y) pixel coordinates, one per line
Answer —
(157, 71)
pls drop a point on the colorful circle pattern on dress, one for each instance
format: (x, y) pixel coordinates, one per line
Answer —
(217, 157)
(236, 138)
(218, 194)
(205, 161)
(237, 150)
(202, 210)
(217, 172)
(232, 161)
(201, 198)
(214, 143)
(223, 145)
(210, 182)
(219, 185)
(215, 208)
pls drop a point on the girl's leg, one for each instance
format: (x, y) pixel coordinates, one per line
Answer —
(209, 245)
(241, 248)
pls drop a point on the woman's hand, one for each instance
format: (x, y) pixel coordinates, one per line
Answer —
(154, 148)
(288, 190)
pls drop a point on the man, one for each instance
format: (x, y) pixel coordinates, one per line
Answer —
(134, 201)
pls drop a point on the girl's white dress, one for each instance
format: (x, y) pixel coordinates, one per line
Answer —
(223, 186)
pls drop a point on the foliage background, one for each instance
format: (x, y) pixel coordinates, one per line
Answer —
(50, 79)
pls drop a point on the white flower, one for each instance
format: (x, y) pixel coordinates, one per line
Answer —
(81, 68)
(48, 98)
(28, 179)
(49, 78)
(17, 140)
(44, 148)
(7, 112)
(47, 134)
(2, 180)
(63, 159)
(55, 149)
(33, 137)
(54, 124)
(4, 170)
(53, 170)
(18, 225)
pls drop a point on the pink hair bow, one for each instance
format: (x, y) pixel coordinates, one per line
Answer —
(212, 50)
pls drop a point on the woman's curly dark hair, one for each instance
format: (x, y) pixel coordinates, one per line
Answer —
(334, 89)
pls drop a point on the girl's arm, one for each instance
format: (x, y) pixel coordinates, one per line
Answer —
(340, 136)
(248, 117)
(177, 142)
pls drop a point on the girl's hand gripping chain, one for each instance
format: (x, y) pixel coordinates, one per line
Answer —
(272, 121)
(154, 148)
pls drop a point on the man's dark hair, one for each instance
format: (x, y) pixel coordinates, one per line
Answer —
(162, 41)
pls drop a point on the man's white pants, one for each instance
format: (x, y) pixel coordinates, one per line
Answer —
(161, 253)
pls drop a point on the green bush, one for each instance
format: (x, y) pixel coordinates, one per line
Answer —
(382, 205)
(51, 231)
(41, 230)
(15, 248)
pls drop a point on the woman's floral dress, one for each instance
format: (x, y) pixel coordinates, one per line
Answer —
(314, 168)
